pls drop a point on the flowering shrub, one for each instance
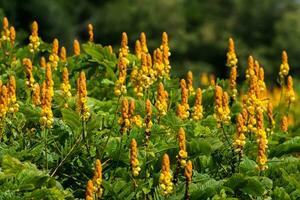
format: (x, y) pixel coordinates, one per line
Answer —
(104, 124)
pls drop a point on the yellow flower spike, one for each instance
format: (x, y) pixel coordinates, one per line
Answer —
(183, 108)
(3, 101)
(198, 108)
(76, 47)
(232, 82)
(240, 139)
(262, 143)
(36, 95)
(46, 119)
(82, 107)
(231, 56)
(34, 38)
(165, 179)
(158, 63)
(65, 86)
(91, 32)
(134, 119)
(161, 100)
(120, 84)
(284, 124)
(124, 50)
(189, 79)
(124, 120)
(89, 195)
(256, 68)
(218, 104)
(5, 34)
(182, 155)
(53, 58)
(63, 54)
(97, 179)
(166, 54)
(5, 23)
(143, 41)
(284, 67)
(12, 98)
(134, 163)
(12, 35)
(28, 70)
(250, 69)
(138, 49)
(226, 109)
(49, 80)
(290, 93)
(43, 62)
(110, 49)
(188, 171)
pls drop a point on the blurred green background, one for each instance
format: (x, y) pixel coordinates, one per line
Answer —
(198, 29)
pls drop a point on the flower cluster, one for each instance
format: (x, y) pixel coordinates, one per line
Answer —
(189, 80)
(161, 100)
(240, 138)
(165, 179)
(76, 47)
(43, 62)
(290, 93)
(183, 108)
(262, 142)
(28, 70)
(5, 33)
(12, 99)
(188, 171)
(134, 162)
(197, 113)
(63, 54)
(284, 67)
(97, 180)
(232, 63)
(165, 55)
(284, 124)
(53, 58)
(36, 95)
(89, 194)
(222, 110)
(46, 119)
(91, 32)
(124, 120)
(120, 84)
(65, 86)
(124, 50)
(182, 155)
(82, 107)
(250, 69)
(134, 119)
(34, 38)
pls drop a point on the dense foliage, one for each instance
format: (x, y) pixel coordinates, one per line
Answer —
(116, 125)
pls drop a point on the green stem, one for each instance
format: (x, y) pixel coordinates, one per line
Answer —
(46, 146)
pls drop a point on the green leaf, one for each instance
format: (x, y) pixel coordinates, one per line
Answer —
(71, 118)
(290, 146)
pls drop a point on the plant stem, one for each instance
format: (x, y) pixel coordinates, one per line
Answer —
(187, 195)
(63, 160)
(46, 146)
(84, 137)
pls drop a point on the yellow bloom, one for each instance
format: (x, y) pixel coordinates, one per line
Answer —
(143, 41)
(91, 33)
(161, 100)
(284, 67)
(34, 38)
(148, 120)
(182, 155)
(63, 54)
(28, 70)
(189, 79)
(262, 143)
(290, 93)
(231, 56)
(53, 58)
(135, 168)
(82, 107)
(97, 179)
(198, 108)
(76, 47)
(36, 95)
(188, 171)
(12, 35)
(165, 179)
(284, 124)
(89, 190)
(239, 141)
